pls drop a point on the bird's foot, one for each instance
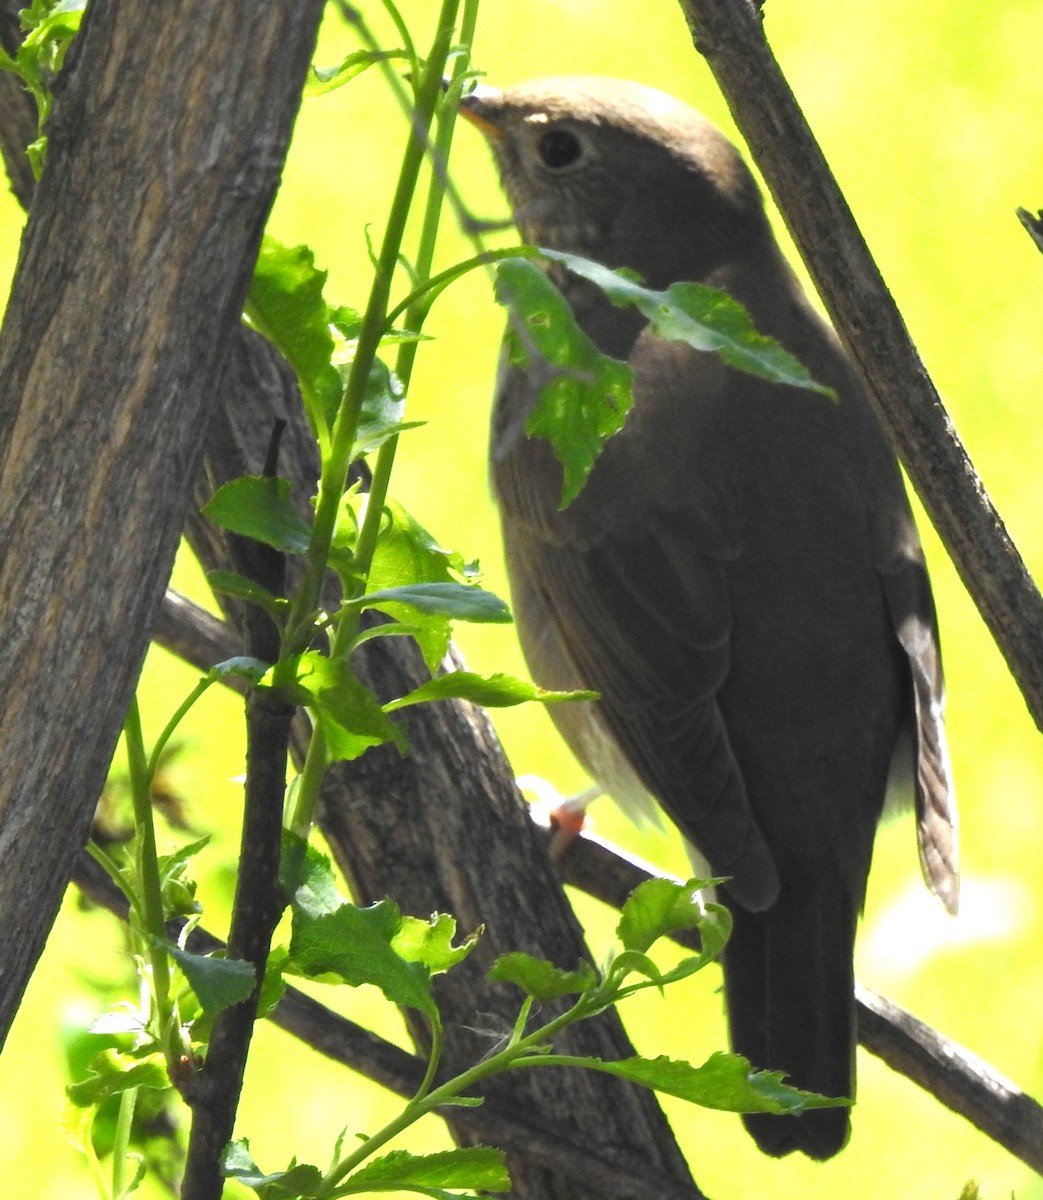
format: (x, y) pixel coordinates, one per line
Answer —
(566, 816)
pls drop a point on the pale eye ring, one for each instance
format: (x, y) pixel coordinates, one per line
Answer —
(559, 149)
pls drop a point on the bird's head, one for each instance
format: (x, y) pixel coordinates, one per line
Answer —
(620, 173)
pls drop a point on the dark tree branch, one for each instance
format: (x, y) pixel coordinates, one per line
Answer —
(1033, 225)
(258, 905)
(130, 283)
(730, 34)
(958, 1078)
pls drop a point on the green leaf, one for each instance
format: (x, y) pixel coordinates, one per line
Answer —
(383, 404)
(273, 986)
(217, 982)
(228, 583)
(299, 1180)
(658, 907)
(113, 1072)
(306, 876)
(491, 691)
(405, 554)
(431, 942)
(586, 395)
(355, 946)
(286, 304)
(724, 1081)
(703, 317)
(480, 1168)
(460, 601)
(252, 669)
(178, 891)
(325, 79)
(542, 979)
(351, 717)
(259, 507)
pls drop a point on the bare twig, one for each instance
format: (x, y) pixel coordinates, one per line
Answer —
(1033, 225)
(258, 904)
(730, 34)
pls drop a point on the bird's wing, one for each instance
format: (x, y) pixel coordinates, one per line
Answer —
(911, 606)
(639, 601)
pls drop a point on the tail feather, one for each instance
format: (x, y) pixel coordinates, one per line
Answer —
(789, 986)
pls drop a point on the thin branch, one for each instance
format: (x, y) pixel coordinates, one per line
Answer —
(1033, 225)
(258, 903)
(730, 35)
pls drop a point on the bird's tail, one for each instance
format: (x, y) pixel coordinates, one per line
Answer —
(789, 986)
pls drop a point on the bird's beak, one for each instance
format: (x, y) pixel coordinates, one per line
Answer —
(476, 106)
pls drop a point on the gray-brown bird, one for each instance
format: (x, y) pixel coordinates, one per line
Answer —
(740, 579)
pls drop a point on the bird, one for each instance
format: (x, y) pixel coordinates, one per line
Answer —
(740, 580)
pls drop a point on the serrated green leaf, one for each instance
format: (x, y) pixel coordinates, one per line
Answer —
(725, 1082)
(406, 553)
(113, 1072)
(273, 986)
(286, 304)
(351, 717)
(633, 961)
(586, 395)
(383, 405)
(355, 946)
(656, 908)
(459, 601)
(326, 79)
(217, 982)
(541, 979)
(244, 666)
(703, 317)
(229, 583)
(491, 691)
(306, 876)
(347, 322)
(480, 1168)
(431, 942)
(298, 1180)
(259, 507)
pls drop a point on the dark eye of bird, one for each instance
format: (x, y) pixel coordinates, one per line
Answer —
(559, 148)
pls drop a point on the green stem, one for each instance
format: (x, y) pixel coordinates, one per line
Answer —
(148, 867)
(375, 325)
(335, 467)
(432, 288)
(306, 797)
(514, 1054)
(434, 1059)
(174, 722)
(121, 1142)
(415, 314)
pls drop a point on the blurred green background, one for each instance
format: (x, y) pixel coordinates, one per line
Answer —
(929, 117)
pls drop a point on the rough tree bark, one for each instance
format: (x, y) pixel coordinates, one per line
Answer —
(135, 261)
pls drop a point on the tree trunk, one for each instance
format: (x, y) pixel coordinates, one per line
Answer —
(166, 144)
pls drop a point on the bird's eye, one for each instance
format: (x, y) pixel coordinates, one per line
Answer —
(559, 148)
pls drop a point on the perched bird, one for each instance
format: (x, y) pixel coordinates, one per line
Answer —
(740, 579)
